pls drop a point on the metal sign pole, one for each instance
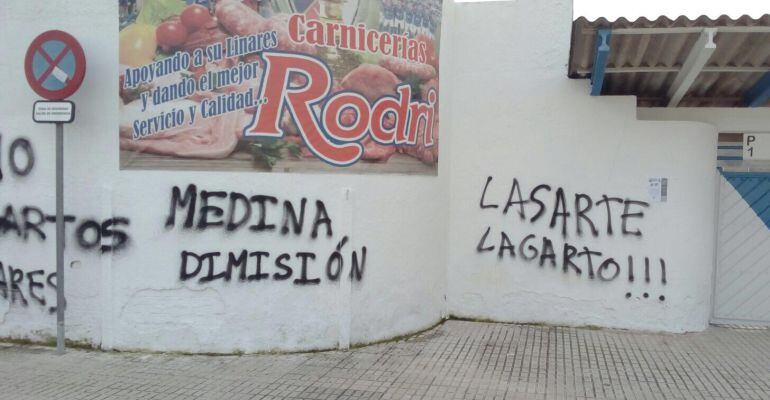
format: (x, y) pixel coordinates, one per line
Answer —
(59, 238)
(68, 66)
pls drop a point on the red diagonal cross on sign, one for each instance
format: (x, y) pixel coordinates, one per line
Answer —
(51, 63)
(36, 56)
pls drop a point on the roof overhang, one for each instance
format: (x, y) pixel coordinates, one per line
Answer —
(676, 63)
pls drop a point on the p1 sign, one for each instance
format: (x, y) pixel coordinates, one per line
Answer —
(756, 146)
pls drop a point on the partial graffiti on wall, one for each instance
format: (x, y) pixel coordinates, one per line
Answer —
(567, 215)
(26, 222)
(21, 157)
(29, 221)
(31, 224)
(15, 281)
(192, 209)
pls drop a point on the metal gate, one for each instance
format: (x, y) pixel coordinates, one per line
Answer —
(742, 281)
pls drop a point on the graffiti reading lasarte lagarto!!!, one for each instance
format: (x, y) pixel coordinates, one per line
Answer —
(200, 210)
(565, 214)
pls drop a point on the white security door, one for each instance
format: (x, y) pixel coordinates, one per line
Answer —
(742, 286)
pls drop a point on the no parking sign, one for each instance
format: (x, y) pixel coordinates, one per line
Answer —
(55, 65)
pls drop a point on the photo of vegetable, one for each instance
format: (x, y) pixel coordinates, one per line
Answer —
(194, 78)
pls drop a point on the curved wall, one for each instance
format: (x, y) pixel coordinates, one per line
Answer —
(433, 245)
(134, 298)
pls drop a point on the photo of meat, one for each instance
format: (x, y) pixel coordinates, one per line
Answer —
(306, 86)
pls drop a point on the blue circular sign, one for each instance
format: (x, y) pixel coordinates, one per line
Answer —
(55, 65)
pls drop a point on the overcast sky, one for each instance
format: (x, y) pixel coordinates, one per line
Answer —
(652, 9)
(631, 9)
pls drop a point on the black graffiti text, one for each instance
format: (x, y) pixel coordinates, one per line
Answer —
(571, 259)
(20, 157)
(578, 212)
(15, 281)
(234, 211)
(565, 213)
(299, 268)
(28, 222)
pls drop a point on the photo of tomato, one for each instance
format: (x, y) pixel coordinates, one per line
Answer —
(195, 17)
(171, 34)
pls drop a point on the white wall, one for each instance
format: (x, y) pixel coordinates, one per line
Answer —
(133, 299)
(739, 120)
(726, 120)
(510, 113)
(521, 118)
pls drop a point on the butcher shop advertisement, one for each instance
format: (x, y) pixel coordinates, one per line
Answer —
(283, 85)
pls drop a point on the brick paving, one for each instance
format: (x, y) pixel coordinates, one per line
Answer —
(457, 360)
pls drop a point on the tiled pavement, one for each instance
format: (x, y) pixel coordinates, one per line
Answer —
(457, 360)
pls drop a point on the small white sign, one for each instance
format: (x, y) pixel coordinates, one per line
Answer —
(53, 112)
(756, 146)
(658, 189)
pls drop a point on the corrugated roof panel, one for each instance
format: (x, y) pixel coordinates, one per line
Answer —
(654, 59)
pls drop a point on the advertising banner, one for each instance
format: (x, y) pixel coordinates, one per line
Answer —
(283, 85)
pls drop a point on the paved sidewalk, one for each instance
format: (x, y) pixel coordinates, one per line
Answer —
(458, 360)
